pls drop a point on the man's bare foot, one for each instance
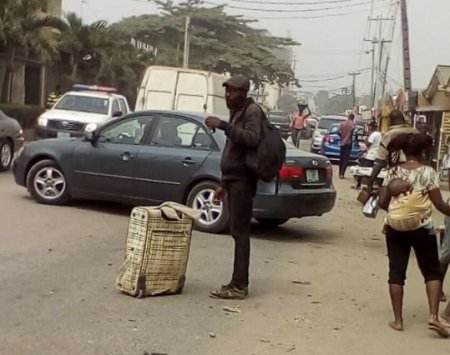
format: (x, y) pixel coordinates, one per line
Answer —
(396, 325)
(439, 328)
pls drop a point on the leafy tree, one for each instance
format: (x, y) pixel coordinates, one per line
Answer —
(105, 53)
(80, 41)
(23, 32)
(218, 42)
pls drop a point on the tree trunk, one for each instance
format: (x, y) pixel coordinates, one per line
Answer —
(74, 67)
(8, 76)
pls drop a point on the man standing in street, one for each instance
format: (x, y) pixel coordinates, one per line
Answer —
(239, 185)
(346, 133)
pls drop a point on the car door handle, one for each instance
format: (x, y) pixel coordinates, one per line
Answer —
(126, 156)
(188, 161)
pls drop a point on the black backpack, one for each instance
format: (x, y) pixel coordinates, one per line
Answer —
(267, 159)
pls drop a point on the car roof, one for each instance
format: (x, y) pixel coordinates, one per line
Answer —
(281, 113)
(198, 116)
(333, 117)
(101, 94)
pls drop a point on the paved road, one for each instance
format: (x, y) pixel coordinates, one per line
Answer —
(318, 287)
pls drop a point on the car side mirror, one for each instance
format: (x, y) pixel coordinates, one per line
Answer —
(117, 114)
(90, 136)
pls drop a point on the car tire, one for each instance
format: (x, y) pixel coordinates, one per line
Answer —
(214, 218)
(6, 154)
(272, 222)
(47, 184)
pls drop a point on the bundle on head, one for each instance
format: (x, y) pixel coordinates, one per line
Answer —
(413, 145)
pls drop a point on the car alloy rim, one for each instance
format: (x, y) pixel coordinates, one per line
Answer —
(49, 183)
(210, 210)
(6, 155)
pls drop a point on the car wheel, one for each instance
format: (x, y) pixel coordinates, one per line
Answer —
(6, 154)
(214, 216)
(47, 183)
(272, 222)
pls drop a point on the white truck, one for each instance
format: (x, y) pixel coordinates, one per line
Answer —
(180, 89)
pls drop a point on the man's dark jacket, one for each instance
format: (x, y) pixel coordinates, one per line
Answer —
(243, 133)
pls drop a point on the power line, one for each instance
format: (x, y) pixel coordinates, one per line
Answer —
(290, 11)
(322, 80)
(312, 17)
(291, 3)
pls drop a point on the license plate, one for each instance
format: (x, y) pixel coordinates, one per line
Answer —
(312, 175)
(62, 135)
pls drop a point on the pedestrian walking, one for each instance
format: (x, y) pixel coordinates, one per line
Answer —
(372, 144)
(346, 132)
(298, 124)
(408, 193)
(238, 184)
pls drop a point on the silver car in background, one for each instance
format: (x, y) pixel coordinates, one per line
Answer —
(324, 124)
(11, 140)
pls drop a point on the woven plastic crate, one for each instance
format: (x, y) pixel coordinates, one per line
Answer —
(157, 250)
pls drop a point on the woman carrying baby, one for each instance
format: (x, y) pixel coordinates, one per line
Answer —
(408, 193)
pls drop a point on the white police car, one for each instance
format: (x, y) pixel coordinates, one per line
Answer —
(81, 109)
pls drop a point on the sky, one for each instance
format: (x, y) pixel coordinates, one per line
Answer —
(331, 46)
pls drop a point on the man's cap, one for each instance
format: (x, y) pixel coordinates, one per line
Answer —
(238, 82)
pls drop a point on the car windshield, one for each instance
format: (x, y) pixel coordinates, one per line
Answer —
(325, 123)
(84, 104)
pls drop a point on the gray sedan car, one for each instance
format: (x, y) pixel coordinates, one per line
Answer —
(153, 156)
(11, 140)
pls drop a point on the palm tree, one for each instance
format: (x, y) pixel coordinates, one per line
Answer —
(81, 41)
(21, 22)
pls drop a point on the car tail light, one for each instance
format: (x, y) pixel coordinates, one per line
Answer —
(288, 172)
(328, 139)
(329, 170)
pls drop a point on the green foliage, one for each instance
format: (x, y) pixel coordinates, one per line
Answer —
(218, 42)
(26, 114)
(21, 34)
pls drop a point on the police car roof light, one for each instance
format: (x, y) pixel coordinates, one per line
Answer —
(81, 87)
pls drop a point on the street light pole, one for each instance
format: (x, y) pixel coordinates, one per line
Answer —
(186, 43)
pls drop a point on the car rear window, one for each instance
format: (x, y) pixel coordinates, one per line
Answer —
(84, 104)
(325, 123)
(279, 118)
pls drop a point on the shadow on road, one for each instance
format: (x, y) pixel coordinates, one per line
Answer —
(307, 232)
(103, 207)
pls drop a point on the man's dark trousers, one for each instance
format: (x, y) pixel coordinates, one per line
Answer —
(346, 150)
(240, 205)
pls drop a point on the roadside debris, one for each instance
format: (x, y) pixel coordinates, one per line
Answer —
(232, 309)
(212, 335)
(304, 283)
(299, 319)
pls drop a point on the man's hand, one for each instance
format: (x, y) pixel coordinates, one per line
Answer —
(213, 122)
(219, 194)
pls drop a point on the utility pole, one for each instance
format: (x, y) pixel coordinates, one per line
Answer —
(186, 43)
(372, 70)
(378, 83)
(385, 76)
(354, 74)
(82, 2)
(406, 54)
